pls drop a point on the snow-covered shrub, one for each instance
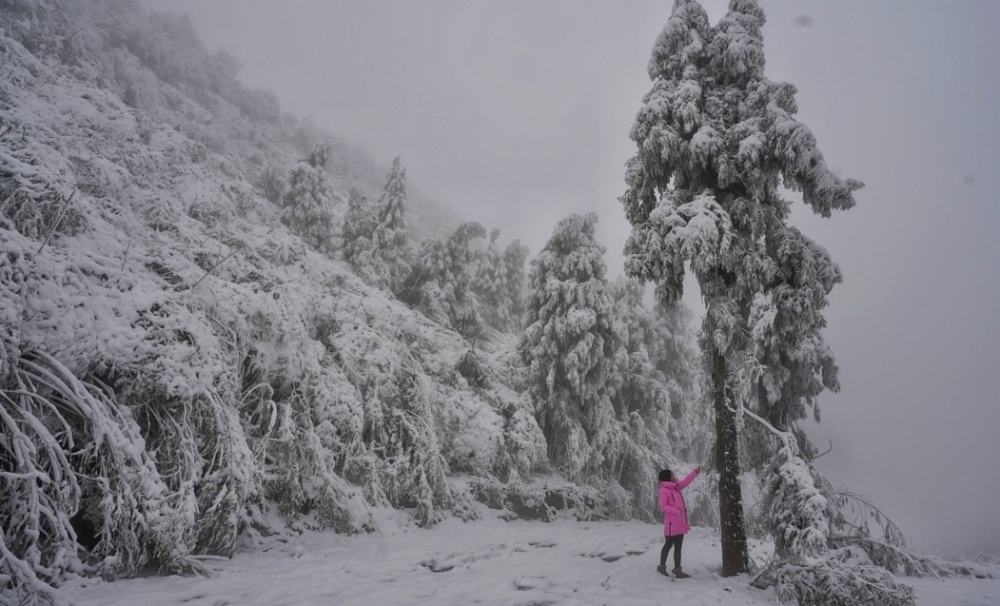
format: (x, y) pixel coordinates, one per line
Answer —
(30, 198)
(834, 583)
(258, 105)
(472, 369)
(272, 183)
(73, 459)
(549, 498)
(856, 539)
(399, 460)
(475, 435)
(796, 508)
(12, 275)
(518, 498)
(299, 465)
(806, 566)
(825, 553)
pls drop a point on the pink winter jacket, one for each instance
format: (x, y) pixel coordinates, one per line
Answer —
(672, 504)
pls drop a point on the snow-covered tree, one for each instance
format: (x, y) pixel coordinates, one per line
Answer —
(572, 346)
(357, 232)
(376, 242)
(489, 284)
(498, 283)
(660, 415)
(515, 276)
(440, 282)
(390, 238)
(309, 200)
(822, 556)
(715, 139)
(660, 381)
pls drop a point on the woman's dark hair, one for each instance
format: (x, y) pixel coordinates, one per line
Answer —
(665, 475)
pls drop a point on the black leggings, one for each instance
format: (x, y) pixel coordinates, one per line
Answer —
(674, 541)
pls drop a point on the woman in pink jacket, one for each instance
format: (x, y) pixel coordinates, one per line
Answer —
(675, 524)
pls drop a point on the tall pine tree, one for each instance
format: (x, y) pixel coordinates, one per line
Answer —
(715, 139)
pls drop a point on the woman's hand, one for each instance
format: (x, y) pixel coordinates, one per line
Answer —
(698, 469)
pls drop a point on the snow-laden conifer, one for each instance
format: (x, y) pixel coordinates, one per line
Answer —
(498, 282)
(309, 201)
(515, 279)
(488, 282)
(376, 243)
(660, 379)
(390, 238)
(358, 232)
(572, 345)
(659, 406)
(440, 283)
(715, 139)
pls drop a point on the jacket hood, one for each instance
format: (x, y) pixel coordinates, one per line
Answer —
(669, 484)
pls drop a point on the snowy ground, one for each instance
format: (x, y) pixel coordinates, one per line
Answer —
(484, 562)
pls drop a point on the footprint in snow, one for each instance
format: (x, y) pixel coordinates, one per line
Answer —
(542, 543)
(528, 583)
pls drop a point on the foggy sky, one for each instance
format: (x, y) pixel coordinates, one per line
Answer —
(516, 114)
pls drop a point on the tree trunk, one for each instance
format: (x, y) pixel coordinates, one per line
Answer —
(734, 538)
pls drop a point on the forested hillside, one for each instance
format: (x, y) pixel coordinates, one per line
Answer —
(219, 322)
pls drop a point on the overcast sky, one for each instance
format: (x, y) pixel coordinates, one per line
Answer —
(517, 113)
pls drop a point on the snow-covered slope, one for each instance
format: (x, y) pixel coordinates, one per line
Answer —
(179, 369)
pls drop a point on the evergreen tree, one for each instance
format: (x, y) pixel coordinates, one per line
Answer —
(308, 203)
(390, 237)
(440, 282)
(498, 283)
(514, 257)
(376, 242)
(358, 231)
(660, 416)
(642, 380)
(662, 365)
(489, 283)
(572, 346)
(715, 138)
